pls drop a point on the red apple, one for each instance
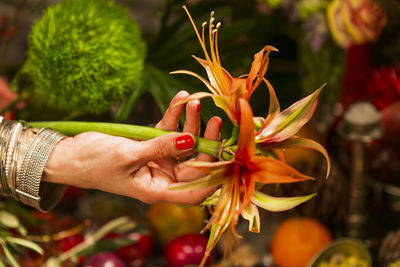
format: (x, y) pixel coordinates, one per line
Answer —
(104, 259)
(186, 250)
(137, 252)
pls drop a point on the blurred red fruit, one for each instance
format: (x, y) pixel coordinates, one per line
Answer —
(186, 250)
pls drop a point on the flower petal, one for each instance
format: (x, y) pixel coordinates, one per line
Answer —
(258, 68)
(213, 199)
(289, 121)
(206, 165)
(273, 171)
(250, 213)
(246, 145)
(214, 179)
(299, 142)
(278, 203)
(212, 76)
(210, 87)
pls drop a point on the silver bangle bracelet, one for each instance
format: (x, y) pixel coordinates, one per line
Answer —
(31, 170)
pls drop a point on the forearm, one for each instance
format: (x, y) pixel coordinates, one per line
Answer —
(23, 154)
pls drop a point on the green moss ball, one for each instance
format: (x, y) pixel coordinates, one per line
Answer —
(84, 55)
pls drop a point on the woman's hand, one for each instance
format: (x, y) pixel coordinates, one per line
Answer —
(138, 169)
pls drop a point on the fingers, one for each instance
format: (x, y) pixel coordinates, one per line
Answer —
(192, 124)
(213, 131)
(186, 173)
(164, 147)
(186, 197)
(170, 120)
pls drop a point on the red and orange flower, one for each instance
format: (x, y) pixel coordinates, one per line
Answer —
(225, 89)
(239, 179)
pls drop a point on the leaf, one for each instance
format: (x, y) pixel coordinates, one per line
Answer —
(10, 256)
(53, 262)
(250, 213)
(2, 264)
(289, 122)
(278, 203)
(211, 180)
(8, 219)
(22, 230)
(300, 142)
(105, 245)
(25, 243)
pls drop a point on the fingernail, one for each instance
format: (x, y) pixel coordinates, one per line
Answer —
(184, 142)
(198, 107)
(220, 125)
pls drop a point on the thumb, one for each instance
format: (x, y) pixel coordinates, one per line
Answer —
(166, 146)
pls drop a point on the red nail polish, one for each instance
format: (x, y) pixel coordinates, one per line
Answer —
(184, 142)
(220, 125)
(198, 107)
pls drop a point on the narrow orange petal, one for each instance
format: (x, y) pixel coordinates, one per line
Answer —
(213, 76)
(246, 143)
(272, 171)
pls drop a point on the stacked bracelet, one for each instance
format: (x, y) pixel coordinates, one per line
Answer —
(24, 152)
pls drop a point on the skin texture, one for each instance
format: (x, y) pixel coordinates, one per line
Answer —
(137, 169)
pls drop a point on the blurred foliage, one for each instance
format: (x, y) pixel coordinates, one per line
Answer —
(83, 56)
(308, 56)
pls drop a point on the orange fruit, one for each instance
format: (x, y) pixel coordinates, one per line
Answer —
(297, 240)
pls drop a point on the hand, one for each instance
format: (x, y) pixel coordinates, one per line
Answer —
(138, 169)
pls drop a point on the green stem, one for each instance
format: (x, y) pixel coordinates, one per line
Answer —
(233, 138)
(72, 128)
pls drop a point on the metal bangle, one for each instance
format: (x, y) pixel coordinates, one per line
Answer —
(5, 136)
(31, 170)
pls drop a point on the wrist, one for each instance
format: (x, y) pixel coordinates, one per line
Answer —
(56, 169)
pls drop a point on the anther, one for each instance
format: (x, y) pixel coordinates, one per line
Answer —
(212, 19)
(204, 24)
(212, 14)
(214, 31)
(218, 25)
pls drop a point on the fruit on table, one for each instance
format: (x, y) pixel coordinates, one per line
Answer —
(341, 260)
(186, 250)
(104, 259)
(137, 252)
(297, 240)
(168, 221)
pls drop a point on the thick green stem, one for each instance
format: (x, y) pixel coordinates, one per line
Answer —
(72, 128)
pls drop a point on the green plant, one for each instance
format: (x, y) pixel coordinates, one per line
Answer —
(83, 56)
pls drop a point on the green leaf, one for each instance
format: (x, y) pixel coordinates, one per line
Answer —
(250, 213)
(211, 180)
(53, 262)
(105, 245)
(10, 256)
(25, 243)
(2, 264)
(299, 142)
(8, 219)
(289, 122)
(22, 230)
(278, 203)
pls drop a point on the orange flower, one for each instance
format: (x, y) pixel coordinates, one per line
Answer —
(225, 89)
(237, 179)
(279, 128)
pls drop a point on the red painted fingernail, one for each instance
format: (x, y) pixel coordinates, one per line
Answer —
(220, 125)
(198, 107)
(184, 142)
